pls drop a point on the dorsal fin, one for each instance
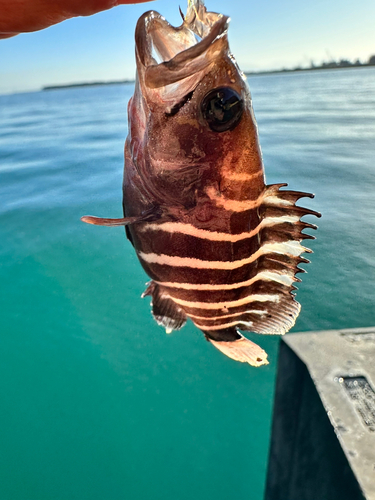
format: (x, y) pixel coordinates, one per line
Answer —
(282, 264)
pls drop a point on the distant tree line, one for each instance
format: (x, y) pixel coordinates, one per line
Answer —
(342, 63)
(345, 63)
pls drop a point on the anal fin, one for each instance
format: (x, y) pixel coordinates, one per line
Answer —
(165, 311)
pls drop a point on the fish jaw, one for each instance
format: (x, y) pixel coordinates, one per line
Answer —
(183, 58)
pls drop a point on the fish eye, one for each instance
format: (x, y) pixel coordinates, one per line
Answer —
(222, 109)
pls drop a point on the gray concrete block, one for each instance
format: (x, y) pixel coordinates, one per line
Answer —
(323, 435)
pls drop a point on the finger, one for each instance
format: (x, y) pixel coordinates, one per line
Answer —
(22, 16)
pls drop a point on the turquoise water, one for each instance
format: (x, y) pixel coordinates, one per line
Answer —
(97, 401)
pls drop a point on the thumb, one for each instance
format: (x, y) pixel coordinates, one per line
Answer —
(23, 16)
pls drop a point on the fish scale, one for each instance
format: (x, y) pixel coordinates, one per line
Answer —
(222, 248)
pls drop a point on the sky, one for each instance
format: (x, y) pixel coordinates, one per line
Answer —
(267, 34)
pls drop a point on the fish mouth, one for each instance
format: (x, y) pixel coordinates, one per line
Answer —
(166, 54)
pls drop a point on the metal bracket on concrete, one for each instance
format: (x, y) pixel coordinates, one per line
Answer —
(323, 435)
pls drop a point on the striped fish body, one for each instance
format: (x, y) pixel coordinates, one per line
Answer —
(221, 247)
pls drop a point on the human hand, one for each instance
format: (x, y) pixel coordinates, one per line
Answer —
(23, 16)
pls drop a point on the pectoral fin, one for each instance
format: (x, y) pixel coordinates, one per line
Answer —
(152, 214)
(99, 221)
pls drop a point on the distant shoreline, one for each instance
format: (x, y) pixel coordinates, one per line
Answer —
(86, 84)
(329, 66)
(326, 66)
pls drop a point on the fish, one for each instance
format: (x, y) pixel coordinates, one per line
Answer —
(222, 248)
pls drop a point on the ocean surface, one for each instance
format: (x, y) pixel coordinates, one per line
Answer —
(97, 402)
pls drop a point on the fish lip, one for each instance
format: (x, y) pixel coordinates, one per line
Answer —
(194, 57)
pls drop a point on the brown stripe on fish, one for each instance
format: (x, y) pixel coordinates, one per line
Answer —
(180, 245)
(269, 309)
(279, 318)
(215, 316)
(215, 323)
(191, 230)
(268, 198)
(279, 227)
(272, 262)
(162, 273)
(293, 248)
(226, 305)
(240, 323)
(284, 279)
(242, 176)
(256, 313)
(260, 287)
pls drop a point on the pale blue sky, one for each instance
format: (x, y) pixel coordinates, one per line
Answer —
(263, 35)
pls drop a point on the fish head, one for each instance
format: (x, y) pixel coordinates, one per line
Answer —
(191, 106)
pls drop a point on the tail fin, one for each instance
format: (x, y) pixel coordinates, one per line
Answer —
(242, 350)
